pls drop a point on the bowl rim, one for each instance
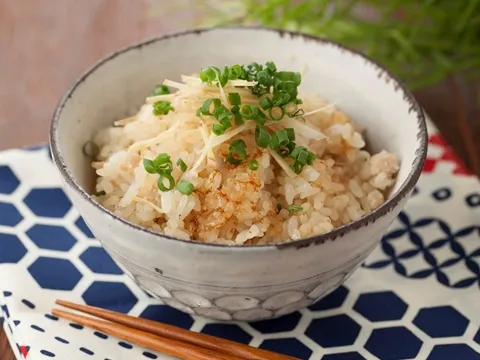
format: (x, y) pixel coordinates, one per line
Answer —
(387, 206)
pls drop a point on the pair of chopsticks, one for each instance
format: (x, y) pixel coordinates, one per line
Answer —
(168, 339)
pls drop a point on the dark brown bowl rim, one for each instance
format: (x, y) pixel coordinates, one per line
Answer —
(388, 206)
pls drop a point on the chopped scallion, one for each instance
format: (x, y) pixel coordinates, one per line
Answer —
(234, 98)
(260, 118)
(149, 166)
(218, 129)
(170, 180)
(161, 90)
(206, 108)
(280, 113)
(162, 108)
(253, 165)
(294, 209)
(209, 74)
(248, 111)
(237, 152)
(262, 137)
(180, 163)
(185, 187)
(266, 103)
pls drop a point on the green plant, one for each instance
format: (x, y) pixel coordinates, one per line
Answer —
(421, 41)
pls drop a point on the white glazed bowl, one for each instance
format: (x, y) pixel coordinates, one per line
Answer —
(238, 282)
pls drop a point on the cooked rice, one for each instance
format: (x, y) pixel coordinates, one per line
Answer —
(235, 205)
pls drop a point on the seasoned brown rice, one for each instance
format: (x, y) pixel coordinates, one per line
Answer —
(233, 204)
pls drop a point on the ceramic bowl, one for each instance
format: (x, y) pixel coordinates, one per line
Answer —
(244, 283)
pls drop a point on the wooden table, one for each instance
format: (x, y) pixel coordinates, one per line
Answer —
(46, 45)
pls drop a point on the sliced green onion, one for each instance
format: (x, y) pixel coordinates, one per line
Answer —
(311, 156)
(295, 77)
(218, 129)
(276, 117)
(266, 103)
(149, 166)
(271, 67)
(287, 149)
(297, 151)
(274, 142)
(181, 164)
(263, 78)
(260, 119)
(237, 152)
(262, 137)
(248, 111)
(260, 90)
(297, 113)
(238, 120)
(161, 90)
(253, 165)
(209, 74)
(280, 98)
(290, 134)
(290, 109)
(223, 77)
(221, 112)
(161, 184)
(252, 69)
(294, 209)
(162, 108)
(234, 99)
(297, 167)
(232, 160)
(235, 72)
(185, 187)
(163, 163)
(100, 193)
(236, 114)
(207, 105)
(282, 137)
(302, 158)
(238, 144)
(279, 207)
(289, 87)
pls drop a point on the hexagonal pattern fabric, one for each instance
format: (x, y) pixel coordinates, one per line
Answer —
(380, 306)
(333, 331)
(97, 260)
(393, 343)
(9, 214)
(51, 237)
(441, 321)
(51, 202)
(55, 274)
(8, 181)
(228, 331)
(13, 249)
(288, 346)
(416, 297)
(453, 351)
(332, 300)
(115, 296)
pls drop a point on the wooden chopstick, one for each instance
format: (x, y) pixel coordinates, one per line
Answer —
(200, 340)
(167, 346)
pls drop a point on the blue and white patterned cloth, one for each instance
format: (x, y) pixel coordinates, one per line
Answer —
(416, 297)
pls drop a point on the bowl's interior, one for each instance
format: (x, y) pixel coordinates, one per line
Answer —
(118, 85)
